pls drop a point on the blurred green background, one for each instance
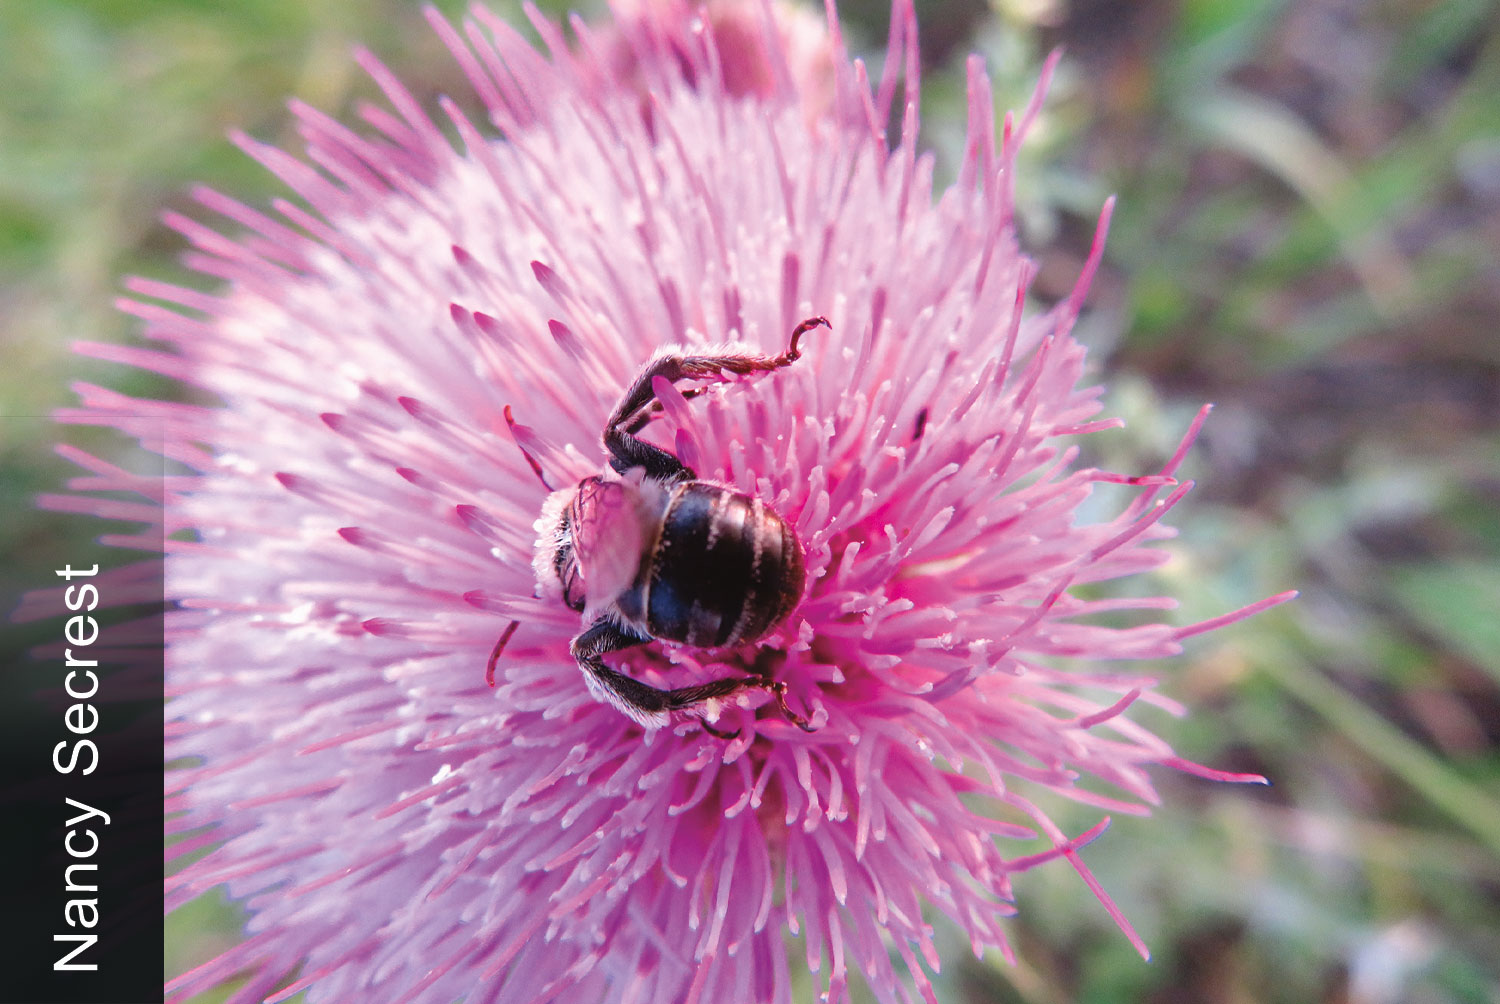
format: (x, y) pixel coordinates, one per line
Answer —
(1307, 234)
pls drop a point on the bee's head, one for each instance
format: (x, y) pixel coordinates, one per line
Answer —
(554, 561)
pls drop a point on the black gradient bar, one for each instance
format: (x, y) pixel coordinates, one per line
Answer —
(81, 839)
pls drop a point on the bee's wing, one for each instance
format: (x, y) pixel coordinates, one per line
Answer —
(607, 538)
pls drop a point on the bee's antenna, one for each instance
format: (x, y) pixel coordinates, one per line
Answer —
(489, 669)
(536, 468)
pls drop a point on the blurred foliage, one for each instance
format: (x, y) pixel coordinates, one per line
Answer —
(1307, 234)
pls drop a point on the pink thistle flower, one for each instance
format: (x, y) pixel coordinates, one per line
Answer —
(363, 532)
(787, 55)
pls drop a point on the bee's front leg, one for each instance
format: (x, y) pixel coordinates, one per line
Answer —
(626, 450)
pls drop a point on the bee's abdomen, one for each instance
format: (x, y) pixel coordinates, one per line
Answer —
(725, 570)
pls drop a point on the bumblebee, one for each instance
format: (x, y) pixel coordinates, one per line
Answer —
(647, 551)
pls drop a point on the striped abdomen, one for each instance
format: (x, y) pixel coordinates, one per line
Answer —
(725, 570)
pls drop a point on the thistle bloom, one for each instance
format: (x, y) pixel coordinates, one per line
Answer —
(362, 531)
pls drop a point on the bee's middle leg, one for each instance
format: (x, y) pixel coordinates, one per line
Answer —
(648, 705)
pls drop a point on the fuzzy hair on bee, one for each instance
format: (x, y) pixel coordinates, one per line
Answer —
(648, 551)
